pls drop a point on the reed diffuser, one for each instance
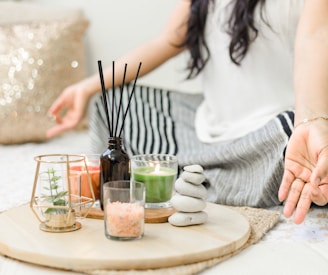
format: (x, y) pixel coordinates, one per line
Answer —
(114, 162)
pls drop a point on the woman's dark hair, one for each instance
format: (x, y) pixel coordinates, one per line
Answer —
(240, 27)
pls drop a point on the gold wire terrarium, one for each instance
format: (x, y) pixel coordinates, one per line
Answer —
(57, 200)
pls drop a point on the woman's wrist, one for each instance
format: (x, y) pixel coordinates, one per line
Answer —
(90, 86)
(310, 119)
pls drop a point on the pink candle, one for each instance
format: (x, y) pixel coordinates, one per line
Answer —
(124, 219)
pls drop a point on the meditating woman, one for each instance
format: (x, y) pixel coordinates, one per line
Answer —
(259, 130)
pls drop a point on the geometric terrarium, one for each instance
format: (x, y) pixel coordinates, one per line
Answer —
(57, 200)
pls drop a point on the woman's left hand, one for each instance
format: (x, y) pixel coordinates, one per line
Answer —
(305, 179)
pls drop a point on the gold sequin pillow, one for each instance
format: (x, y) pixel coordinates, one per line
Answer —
(41, 52)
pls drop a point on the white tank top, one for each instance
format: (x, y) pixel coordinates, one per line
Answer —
(240, 99)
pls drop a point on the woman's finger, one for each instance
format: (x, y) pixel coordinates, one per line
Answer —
(304, 203)
(293, 196)
(320, 194)
(320, 172)
(286, 183)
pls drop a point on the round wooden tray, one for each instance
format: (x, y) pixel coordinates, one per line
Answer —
(163, 245)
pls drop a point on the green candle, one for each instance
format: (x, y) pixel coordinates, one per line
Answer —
(159, 182)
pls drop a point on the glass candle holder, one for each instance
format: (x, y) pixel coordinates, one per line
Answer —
(158, 172)
(124, 209)
(93, 165)
(56, 196)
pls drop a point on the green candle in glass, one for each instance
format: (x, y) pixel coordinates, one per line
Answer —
(158, 173)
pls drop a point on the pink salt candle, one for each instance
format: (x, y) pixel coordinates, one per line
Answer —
(124, 219)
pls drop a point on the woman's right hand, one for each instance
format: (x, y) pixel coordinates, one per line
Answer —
(68, 109)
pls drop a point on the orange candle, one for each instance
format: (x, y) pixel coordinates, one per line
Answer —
(94, 172)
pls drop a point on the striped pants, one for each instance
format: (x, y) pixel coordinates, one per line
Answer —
(243, 172)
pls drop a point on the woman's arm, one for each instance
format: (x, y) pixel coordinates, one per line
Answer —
(152, 53)
(311, 61)
(305, 178)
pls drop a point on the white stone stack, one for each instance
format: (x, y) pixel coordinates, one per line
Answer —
(189, 199)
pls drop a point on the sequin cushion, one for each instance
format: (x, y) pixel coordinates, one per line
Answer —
(38, 58)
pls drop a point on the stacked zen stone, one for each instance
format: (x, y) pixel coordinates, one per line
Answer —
(189, 199)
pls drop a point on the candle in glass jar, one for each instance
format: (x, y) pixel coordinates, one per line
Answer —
(94, 172)
(124, 219)
(159, 182)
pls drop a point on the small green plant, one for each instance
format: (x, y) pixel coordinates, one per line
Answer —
(55, 196)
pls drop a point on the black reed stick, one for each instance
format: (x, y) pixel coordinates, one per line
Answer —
(104, 95)
(127, 108)
(113, 95)
(121, 95)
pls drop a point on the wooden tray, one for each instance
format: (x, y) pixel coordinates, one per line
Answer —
(163, 245)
